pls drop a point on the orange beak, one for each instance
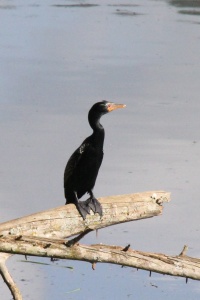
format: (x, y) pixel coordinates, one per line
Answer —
(112, 106)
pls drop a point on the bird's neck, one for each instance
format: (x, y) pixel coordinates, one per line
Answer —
(98, 137)
(98, 131)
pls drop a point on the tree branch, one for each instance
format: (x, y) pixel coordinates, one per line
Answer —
(178, 265)
(7, 277)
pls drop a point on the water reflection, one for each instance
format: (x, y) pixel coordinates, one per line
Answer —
(75, 5)
(7, 6)
(188, 4)
(185, 3)
(124, 5)
(189, 12)
(124, 12)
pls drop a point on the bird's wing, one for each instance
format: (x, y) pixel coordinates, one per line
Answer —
(74, 160)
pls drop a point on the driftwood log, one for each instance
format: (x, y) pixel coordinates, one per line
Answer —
(44, 234)
(65, 221)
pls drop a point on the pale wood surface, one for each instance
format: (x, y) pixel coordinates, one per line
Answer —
(7, 277)
(174, 265)
(65, 221)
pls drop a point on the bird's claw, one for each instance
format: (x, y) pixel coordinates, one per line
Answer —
(94, 205)
(83, 209)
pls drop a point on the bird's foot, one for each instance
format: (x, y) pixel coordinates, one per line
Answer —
(93, 204)
(83, 209)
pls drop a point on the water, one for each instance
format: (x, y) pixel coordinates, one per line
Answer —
(55, 62)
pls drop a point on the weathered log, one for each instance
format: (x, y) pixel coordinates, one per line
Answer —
(65, 221)
(179, 265)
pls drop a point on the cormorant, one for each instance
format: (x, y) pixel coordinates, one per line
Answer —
(82, 168)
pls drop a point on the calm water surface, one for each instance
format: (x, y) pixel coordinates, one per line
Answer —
(56, 59)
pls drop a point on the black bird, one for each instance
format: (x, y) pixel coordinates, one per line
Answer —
(82, 168)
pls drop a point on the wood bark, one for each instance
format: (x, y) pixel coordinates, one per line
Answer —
(7, 277)
(178, 265)
(65, 221)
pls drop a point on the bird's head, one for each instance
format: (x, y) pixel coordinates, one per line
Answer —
(104, 107)
(99, 109)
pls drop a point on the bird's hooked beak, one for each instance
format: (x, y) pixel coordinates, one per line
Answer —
(112, 106)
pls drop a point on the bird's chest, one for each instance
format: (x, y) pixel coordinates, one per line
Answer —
(85, 173)
(91, 163)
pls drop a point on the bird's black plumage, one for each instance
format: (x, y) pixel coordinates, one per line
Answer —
(83, 166)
